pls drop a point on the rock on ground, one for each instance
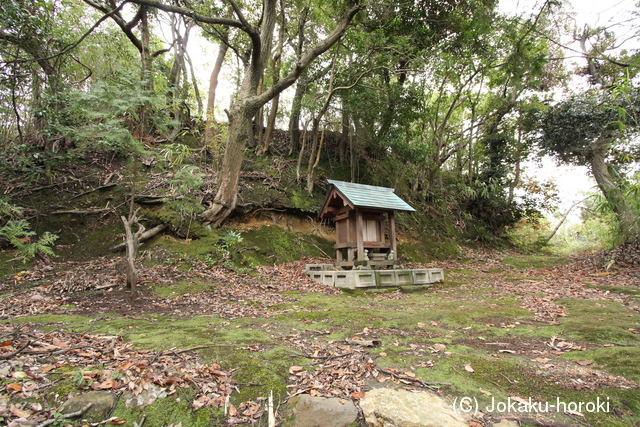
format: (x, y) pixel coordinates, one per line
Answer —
(101, 404)
(386, 407)
(306, 411)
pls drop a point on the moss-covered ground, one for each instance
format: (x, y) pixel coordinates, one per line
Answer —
(486, 332)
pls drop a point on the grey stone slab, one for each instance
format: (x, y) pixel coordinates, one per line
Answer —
(401, 408)
(307, 411)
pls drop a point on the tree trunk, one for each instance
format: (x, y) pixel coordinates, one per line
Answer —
(271, 124)
(314, 153)
(176, 90)
(209, 133)
(562, 220)
(240, 129)
(257, 128)
(344, 136)
(145, 53)
(132, 243)
(248, 102)
(273, 111)
(296, 109)
(613, 194)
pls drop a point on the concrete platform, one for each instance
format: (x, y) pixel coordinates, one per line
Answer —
(352, 279)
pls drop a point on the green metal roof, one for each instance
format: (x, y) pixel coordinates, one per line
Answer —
(370, 196)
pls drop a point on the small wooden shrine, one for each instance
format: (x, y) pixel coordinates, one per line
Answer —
(365, 223)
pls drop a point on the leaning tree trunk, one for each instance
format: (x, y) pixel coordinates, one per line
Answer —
(225, 202)
(613, 194)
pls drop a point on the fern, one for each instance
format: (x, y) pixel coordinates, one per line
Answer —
(9, 210)
(18, 234)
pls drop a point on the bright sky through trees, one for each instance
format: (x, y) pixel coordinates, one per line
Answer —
(573, 181)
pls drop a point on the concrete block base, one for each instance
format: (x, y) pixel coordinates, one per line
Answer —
(352, 279)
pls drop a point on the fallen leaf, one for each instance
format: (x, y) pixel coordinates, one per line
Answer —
(584, 362)
(439, 347)
(294, 369)
(232, 410)
(488, 393)
(15, 387)
(19, 413)
(468, 368)
(358, 395)
(105, 385)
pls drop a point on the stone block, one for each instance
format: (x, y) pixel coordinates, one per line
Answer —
(306, 411)
(421, 277)
(436, 275)
(315, 276)
(386, 278)
(355, 279)
(318, 267)
(403, 277)
(390, 407)
(364, 279)
(328, 278)
(341, 280)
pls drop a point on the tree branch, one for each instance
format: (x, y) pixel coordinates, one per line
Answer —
(191, 14)
(69, 47)
(311, 54)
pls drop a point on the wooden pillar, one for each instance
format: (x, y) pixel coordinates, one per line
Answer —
(392, 234)
(359, 237)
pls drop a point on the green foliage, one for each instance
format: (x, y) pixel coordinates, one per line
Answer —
(231, 240)
(529, 234)
(185, 185)
(101, 118)
(8, 210)
(573, 128)
(18, 235)
(31, 163)
(16, 232)
(176, 153)
(593, 233)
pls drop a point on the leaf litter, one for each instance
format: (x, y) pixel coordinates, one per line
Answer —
(31, 360)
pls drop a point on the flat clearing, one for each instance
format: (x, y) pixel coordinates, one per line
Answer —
(502, 328)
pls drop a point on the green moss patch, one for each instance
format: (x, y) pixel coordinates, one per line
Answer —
(272, 245)
(622, 361)
(534, 261)
(172, 410)
(600, 321)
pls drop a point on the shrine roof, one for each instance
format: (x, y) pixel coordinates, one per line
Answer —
(370, 196)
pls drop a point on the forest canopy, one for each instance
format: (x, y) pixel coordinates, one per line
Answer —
(446, 101)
